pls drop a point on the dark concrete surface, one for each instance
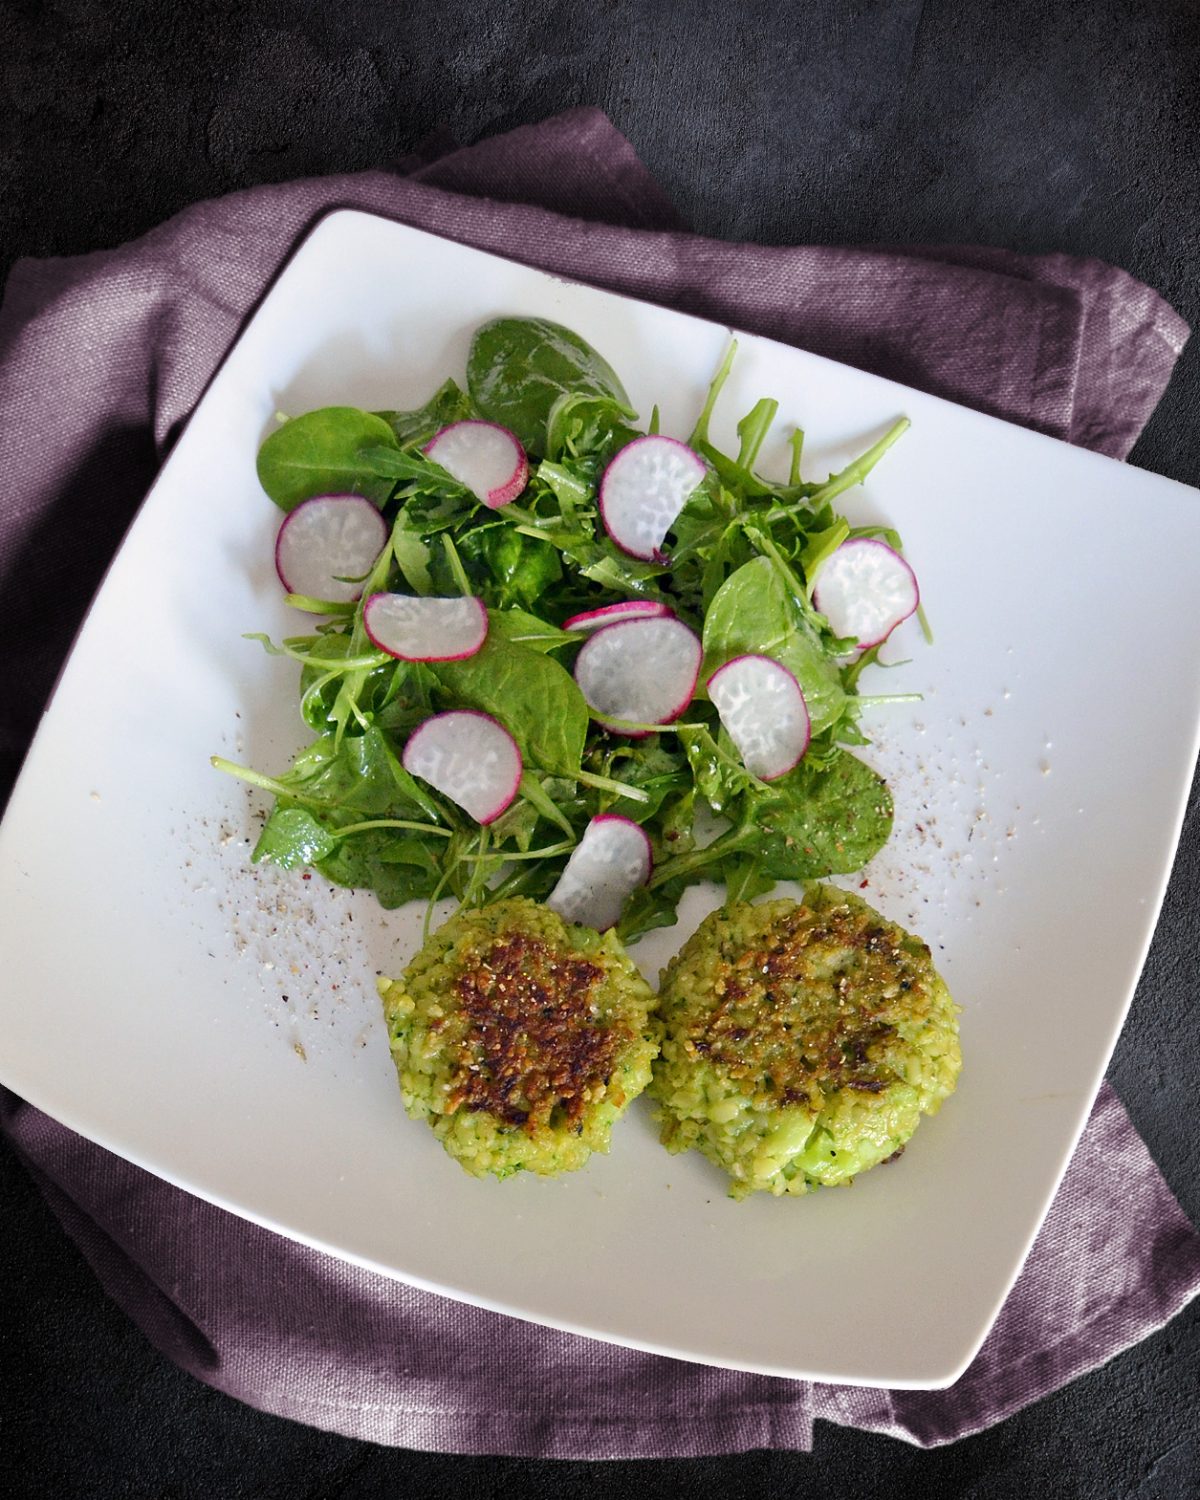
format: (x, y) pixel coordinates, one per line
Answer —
(1038, 126)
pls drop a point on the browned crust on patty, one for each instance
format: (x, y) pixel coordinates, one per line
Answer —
(812, 1004)
(533, 1042)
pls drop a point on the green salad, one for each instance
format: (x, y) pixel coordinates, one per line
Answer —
(481, 709)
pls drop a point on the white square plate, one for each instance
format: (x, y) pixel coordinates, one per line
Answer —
(218, 1024)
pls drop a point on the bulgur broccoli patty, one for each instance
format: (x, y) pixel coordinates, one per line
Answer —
(520, 1038)
(803, 1042)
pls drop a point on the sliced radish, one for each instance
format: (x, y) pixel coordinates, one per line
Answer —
(468, 757)
(643, 490)
(609, 614)
(864, 589)
(763, 710)
(484, 456)
(607, 865)
(416, 629)
(326, 541)
(644, 670)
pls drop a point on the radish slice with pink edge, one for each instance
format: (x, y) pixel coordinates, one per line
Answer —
(484, 456)
(609, 614)
(865, 589)
(644, 670)
(642, 491)
(468, 757)
(420, 629)
(763, 710)
(326, 543)
(608, 864)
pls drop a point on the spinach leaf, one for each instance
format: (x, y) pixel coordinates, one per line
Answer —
(518, 569)
(519, 367)
(524, 629)
(535, 698)
(753, 612)
(396, 868)
(823, 821)
(360, 775)
(322, 453)
(413, 429)
(292, 838)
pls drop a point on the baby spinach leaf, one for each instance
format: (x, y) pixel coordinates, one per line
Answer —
(824, 821)
(524, 629)
(396, 869)
(292, 838)
(413, 429)
(519, 367)
(322, 453)
(529, 693)
(519, 568)
(754, 612)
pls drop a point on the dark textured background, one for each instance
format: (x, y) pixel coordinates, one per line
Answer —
(1033, 125)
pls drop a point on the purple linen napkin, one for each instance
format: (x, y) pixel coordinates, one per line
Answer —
(110, 352)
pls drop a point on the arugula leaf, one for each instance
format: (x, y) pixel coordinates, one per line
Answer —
(745, 877)
(352, 811)
(719, 775)
(753, 429)
(819, 546)
(573, 486)
(322, 453)
(612, 569)
(582, 424)
(650, 907)
(413, 558)
(518, 368)
(661, 774)
(360, 775)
